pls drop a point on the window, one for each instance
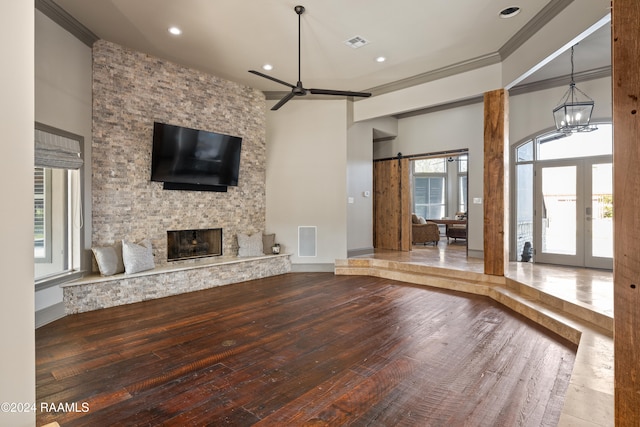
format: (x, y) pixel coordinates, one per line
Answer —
(524, 153)
(57, 199)
(440, 186)
(430, 188)
(463, 165)
(556, 145)
(548, 147)
(438, 165)
(42, 215)
(429, 196)
(462, 193)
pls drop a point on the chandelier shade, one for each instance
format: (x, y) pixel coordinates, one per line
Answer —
(573, 114)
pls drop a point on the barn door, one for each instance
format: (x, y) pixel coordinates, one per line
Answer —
(392, 204)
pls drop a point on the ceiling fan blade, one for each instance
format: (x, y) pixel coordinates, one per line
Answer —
(258, 73)
(298, 89)
(339, 92)
(283, 101)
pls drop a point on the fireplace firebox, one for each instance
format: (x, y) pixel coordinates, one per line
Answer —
(185, 244)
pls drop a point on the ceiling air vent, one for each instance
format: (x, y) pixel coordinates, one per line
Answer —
(356, 42)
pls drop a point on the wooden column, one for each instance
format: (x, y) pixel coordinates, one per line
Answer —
(496, 159)
(626, 190)
(392, 205)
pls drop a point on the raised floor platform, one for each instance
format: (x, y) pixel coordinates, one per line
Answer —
(589, 400)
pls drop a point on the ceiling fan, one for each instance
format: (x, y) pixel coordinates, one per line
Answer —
(298, 89)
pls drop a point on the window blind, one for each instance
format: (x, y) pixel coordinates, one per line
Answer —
(39, 203)
(55, 151)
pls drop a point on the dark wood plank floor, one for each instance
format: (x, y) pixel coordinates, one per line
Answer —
(304, 349)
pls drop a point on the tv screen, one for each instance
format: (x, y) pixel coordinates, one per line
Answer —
(194, 158)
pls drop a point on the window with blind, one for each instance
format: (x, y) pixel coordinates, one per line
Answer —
(41, 215)
(463, 164)
(430, 187)
(57, 202)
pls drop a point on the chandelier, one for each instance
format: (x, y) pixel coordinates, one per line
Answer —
(574, 114)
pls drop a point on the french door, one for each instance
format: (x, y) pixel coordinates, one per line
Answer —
(574, 212)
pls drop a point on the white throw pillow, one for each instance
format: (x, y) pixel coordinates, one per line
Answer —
(109, 259)
(250, 245)
(137, 257)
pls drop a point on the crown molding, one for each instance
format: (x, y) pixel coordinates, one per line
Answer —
(538, 22)
(550, 11)
(440, 73)
(583, 76)
(66, 21)
(383, 139)
(441, 107)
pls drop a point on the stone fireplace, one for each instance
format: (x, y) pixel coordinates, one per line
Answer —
(185, 244)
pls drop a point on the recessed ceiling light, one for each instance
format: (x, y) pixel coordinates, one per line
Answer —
(175, 31)
(381, 59)
(267, 67)
(509, 12)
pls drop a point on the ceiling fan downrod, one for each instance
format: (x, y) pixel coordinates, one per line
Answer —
(298, 89)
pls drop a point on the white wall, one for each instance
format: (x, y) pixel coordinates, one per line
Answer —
(63, 99)
(572, 24)
(360, 180)
(452, 129)
(437, 92)
(530, 113)
(17, 346)
(307, 177)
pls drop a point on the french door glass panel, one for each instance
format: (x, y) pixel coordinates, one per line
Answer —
(574, 212)
(600, 215)
(559, 210)
(524, 207)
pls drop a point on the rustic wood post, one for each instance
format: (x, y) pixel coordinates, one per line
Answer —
(496, 185)
(626, 171)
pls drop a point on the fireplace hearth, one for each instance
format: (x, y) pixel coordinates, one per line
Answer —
(186, 244)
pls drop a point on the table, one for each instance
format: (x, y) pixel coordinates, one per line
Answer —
(455, 232)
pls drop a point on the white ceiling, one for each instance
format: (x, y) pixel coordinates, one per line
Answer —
(229, 37)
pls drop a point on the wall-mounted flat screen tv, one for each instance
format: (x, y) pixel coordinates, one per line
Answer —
(192, 159)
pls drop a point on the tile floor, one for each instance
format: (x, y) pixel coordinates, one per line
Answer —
(587, 287)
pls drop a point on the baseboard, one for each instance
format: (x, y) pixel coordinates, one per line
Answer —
(313, 268)
(49, 314)
(361, 251)
(475, 254)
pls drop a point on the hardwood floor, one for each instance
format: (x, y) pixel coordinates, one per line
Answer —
(303, 349)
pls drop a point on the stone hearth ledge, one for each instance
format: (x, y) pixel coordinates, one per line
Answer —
(95, 292)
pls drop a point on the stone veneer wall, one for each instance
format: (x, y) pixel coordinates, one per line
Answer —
(131, 90)
(111, 291)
